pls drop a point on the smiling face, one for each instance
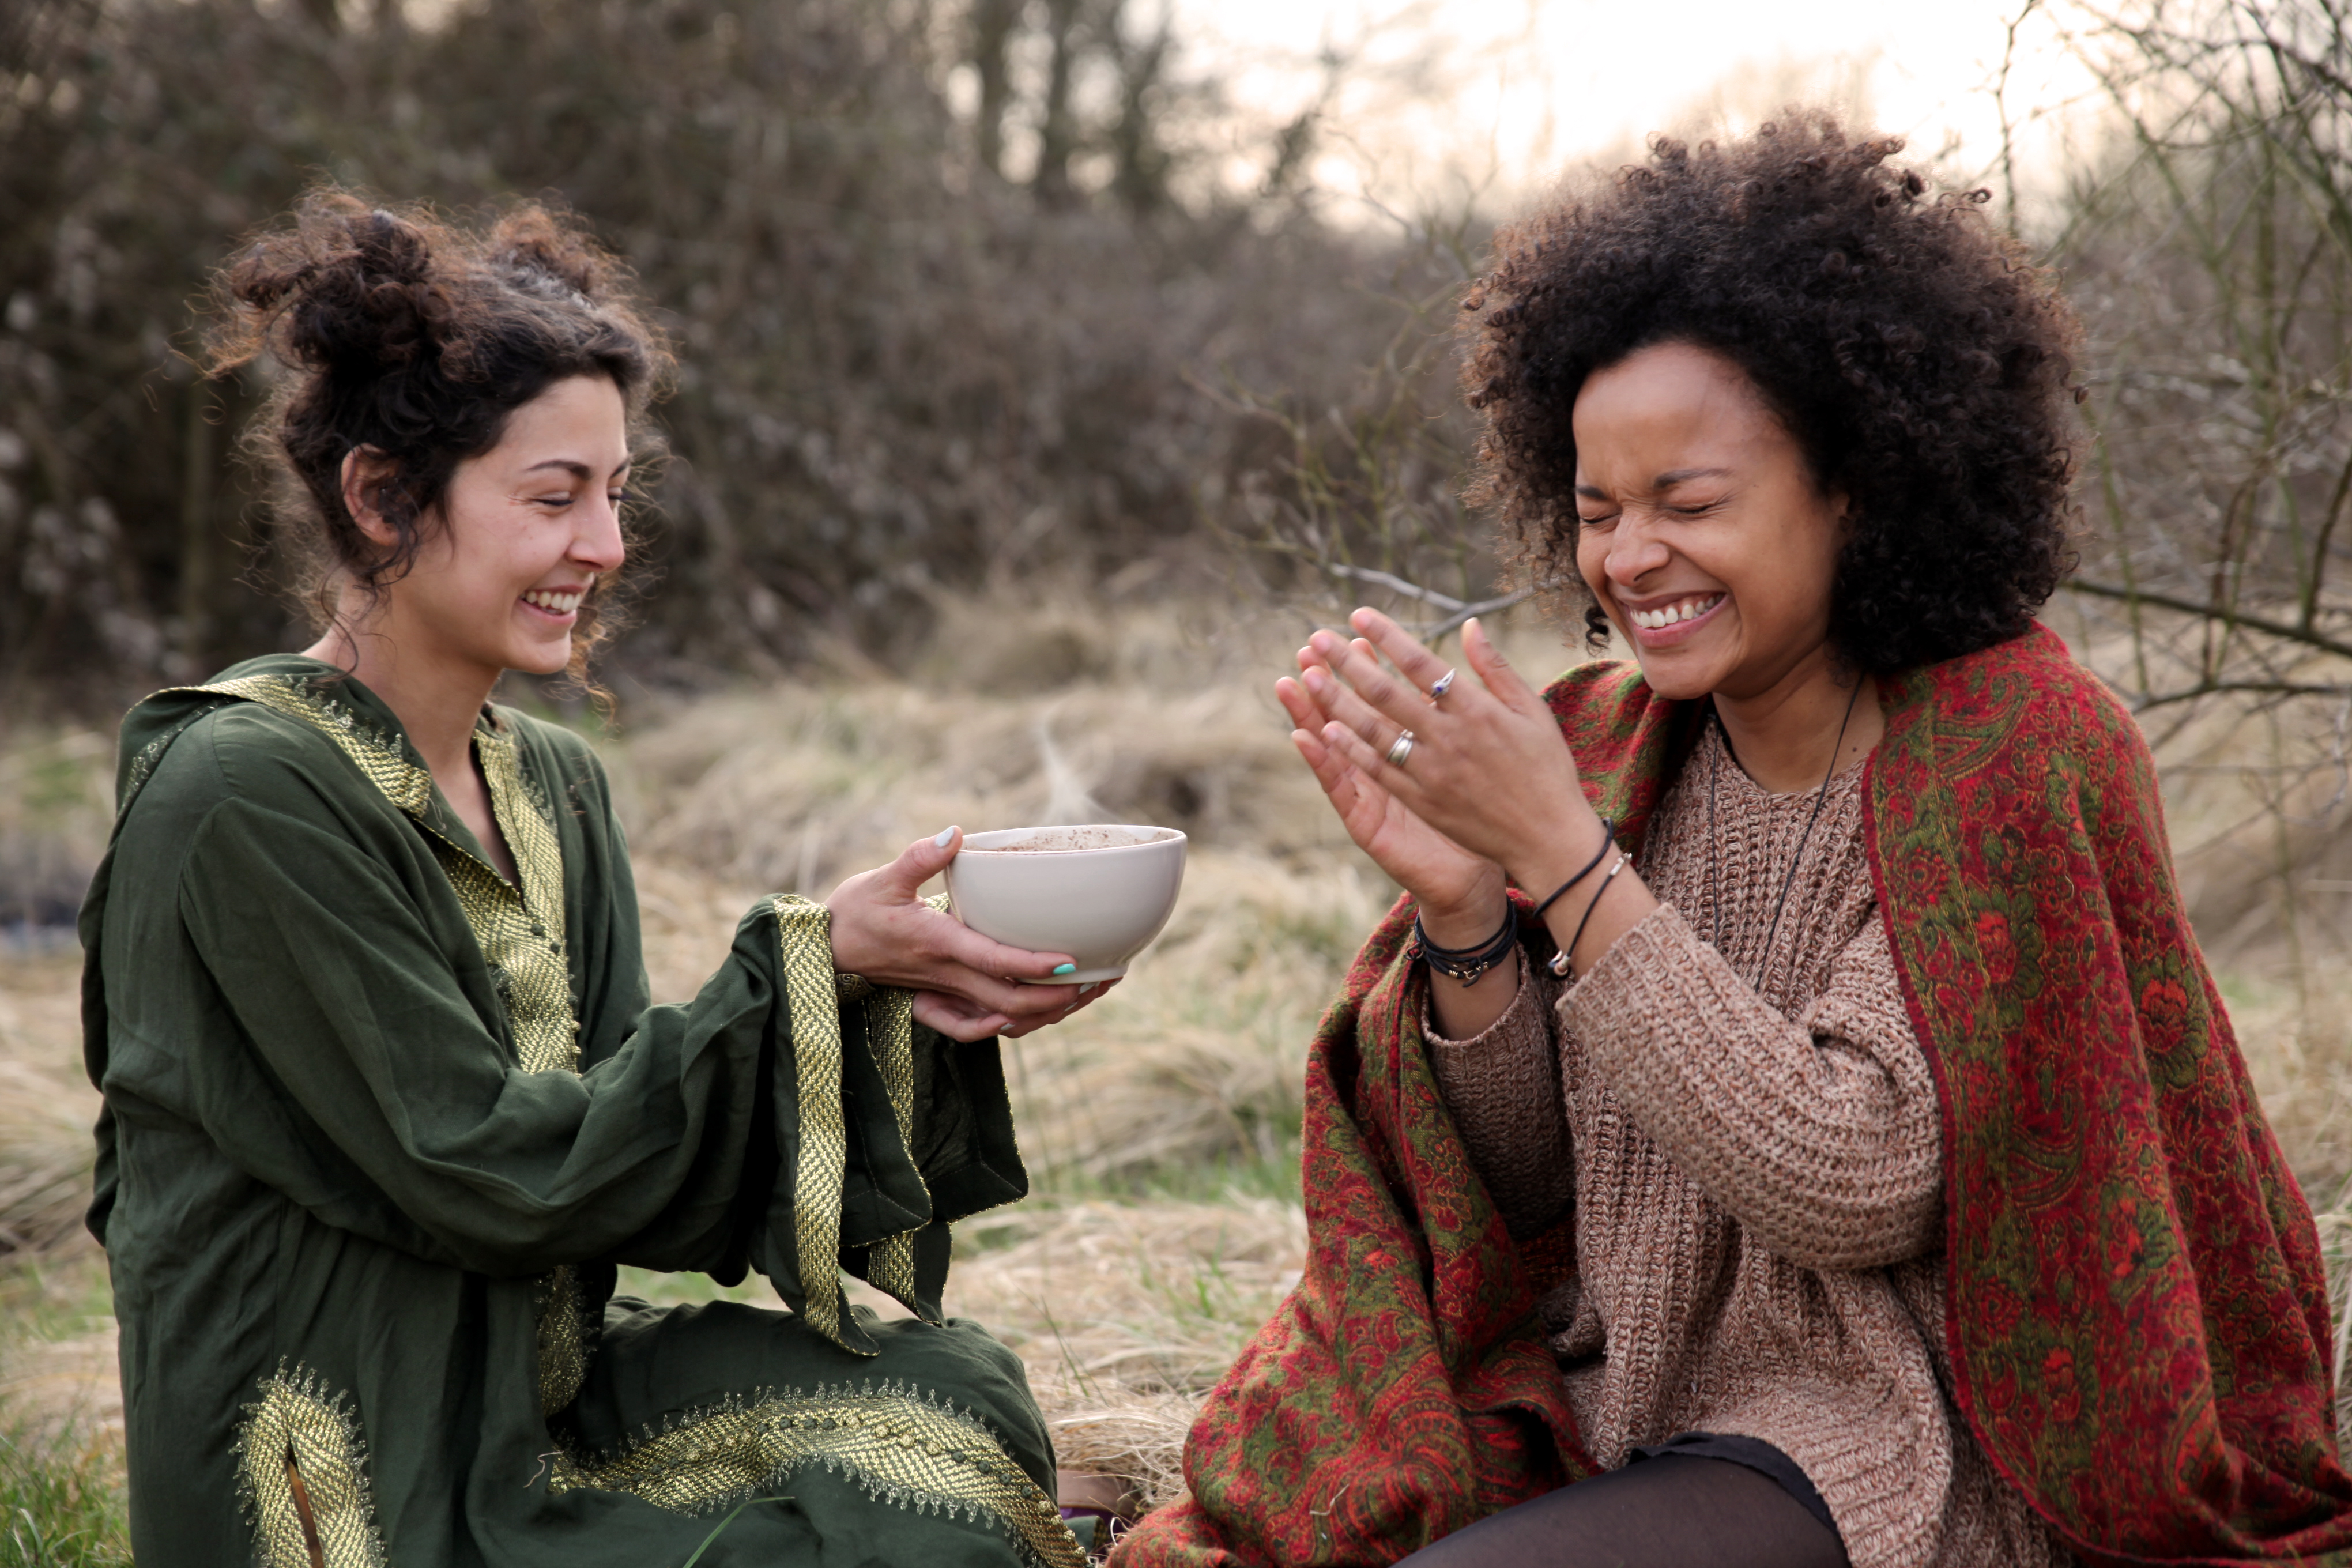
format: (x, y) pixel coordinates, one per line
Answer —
(527, 529)
(1705, 538)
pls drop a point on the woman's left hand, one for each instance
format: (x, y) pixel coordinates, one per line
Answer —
(1488, 767)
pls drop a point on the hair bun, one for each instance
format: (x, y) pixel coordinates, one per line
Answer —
(391, 248)
(343, 285)
(377, 300)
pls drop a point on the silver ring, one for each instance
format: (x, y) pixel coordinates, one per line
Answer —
(1444, 684)
(1400, 749)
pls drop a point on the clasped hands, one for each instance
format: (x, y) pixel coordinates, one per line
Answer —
(1487, 795)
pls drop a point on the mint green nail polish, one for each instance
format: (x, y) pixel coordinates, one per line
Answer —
(1065, 969)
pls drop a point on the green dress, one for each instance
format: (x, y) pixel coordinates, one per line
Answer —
(380, 1125)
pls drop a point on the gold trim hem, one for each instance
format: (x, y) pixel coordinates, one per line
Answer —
(899, 1443)
(299, 1427)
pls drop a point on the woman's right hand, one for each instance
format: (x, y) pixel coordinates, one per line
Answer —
(1461, 895)
(966, 987)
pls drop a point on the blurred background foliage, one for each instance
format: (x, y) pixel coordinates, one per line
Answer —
(989, 310)
(907, 367)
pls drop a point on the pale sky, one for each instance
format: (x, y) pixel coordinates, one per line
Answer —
(1504, 94)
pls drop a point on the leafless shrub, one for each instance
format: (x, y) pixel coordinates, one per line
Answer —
(1365, 503)
(2211, 256)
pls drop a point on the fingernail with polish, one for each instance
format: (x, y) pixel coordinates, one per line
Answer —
(1065, 969)
(945, 834)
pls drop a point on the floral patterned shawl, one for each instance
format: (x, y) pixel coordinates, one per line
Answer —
(2138, 1307)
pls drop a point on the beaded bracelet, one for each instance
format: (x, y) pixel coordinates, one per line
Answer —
(1466, 964)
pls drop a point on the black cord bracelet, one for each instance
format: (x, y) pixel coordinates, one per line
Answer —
(1466, 964)
(1608, 838)
(1562, 962)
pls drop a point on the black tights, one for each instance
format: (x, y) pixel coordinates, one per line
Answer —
(1672, 1512)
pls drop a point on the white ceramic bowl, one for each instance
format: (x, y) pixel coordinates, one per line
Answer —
(1100, 893)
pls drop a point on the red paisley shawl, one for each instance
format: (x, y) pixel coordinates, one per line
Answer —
(2137, 1308)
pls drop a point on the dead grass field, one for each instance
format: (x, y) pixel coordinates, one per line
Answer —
(1160, 1125)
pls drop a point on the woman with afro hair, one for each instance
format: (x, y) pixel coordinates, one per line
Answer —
(1787, 1120)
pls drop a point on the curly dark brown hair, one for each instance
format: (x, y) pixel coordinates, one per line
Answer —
(1918, 359)
(408, 334)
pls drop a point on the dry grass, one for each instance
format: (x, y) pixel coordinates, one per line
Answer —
(46, 1104)
(1160, 1125)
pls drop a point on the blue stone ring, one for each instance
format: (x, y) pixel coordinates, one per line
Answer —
(1444, 684)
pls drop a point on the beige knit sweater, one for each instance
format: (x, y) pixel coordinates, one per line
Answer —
(1757, 1175)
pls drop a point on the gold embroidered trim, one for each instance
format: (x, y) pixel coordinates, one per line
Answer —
(815, 995)
(376, 753)
(890, 1026)
(902, 1445)
(565, 1337)
(521, 932)
(803, 929)
(296, 1424)
(889, 1029)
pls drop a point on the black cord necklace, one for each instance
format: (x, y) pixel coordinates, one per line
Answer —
(1715, 844)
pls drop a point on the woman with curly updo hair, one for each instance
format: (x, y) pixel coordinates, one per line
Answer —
(385, 1105)
(1787, 1120)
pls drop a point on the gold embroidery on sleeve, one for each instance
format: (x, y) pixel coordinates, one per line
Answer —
(901, 1445)
(815, 995)
(803, 932)
(301, 1475)
(889, 1029)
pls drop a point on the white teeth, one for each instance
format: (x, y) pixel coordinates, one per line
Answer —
(1672, 615)
(553, 603)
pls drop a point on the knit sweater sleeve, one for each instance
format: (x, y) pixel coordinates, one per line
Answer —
(1821, 1134)
(1503, 1088)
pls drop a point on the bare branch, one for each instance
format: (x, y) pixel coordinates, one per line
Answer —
(1458, 611)
(2281, 629)
(2001, 107)
(2247, 688)
(1431, 631)
(1396, 584)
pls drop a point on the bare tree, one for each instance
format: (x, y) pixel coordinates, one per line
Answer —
(992, 24)
(1140, 163)
(2213, 258)
(1057, 122)
(2210, 250)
